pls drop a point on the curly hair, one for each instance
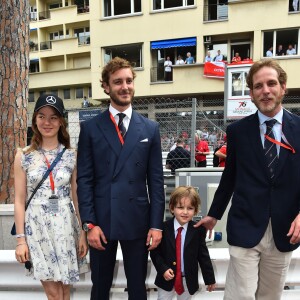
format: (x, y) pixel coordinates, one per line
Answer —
(270, 63)
(185, 191)
(114, 65)
(37, 139)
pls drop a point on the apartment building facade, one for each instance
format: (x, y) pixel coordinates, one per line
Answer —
(70, 42)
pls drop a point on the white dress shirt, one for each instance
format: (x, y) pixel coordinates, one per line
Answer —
(127, 112)
(277, 128)
(183, 233)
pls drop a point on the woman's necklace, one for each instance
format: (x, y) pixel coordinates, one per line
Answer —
(48, 150)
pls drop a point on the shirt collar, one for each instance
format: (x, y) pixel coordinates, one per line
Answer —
(177, 225)
(278, 117)
(127, 112)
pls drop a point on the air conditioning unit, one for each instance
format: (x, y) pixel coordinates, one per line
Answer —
(207, 39)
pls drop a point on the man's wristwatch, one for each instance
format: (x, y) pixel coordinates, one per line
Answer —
(87, 226)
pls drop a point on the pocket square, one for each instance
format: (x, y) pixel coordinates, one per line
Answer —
(144, 141)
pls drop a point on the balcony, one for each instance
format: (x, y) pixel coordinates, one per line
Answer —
(33, 46)
(46, 45)
(82, 10)
(43, 15)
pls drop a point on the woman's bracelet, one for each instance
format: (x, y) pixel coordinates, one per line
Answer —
(20, 235)
(21, 244)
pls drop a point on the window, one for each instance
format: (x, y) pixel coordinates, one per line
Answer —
(55, 5)
(42, 93)
(172, 48)
(83, 6)
(34, 66)
(83, 35)
(281, 42)
(238, 83)
(58, 35)
(165, 4)
(294, 6)
(90, 92)
(131, 52)
(54, 92)
(67, 94)
(79, 93)
(121, 7)
(216, 49)
(31, 96)
(215, 10)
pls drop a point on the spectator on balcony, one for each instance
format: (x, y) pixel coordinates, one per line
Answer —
(168, 69)
(178, 158)
(179, 60)
(280, 51)
(189, 59)
(269, 53)
(85, 102)
(219, 56)
(236, 58)
(208, 58)
(291, 50)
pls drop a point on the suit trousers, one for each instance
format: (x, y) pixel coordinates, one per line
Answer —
(135, 259)
(257, 273)
(168, 295)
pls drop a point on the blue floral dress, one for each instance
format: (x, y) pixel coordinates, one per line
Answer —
(52, 238)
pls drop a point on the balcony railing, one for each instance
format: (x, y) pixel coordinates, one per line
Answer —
(33, 16)
(33, 46)
(46, 45)
(82, 10)
(83, 40)
(214, 12)
(44, 15)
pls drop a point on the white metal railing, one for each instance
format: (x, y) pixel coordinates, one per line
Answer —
(14, 285)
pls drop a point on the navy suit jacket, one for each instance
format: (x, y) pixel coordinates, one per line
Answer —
(121, 188)
(195, 252)
(255, 197)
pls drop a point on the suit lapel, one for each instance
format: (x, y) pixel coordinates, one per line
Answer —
(189, 234)
(170, 234)
(136, 127)
(106, 125)
(287, 129)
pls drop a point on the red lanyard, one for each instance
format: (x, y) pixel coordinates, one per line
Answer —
(117, 128)
(50, 176)
(289, 147)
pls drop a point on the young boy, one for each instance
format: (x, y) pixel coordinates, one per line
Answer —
(180, 275)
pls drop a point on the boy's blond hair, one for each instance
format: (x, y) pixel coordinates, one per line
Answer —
(185, 191)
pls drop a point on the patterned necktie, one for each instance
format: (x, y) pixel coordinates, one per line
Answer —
(270, 148)
(121, 124)
(178, 277)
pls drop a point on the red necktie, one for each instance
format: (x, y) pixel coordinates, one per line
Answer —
(178, 278)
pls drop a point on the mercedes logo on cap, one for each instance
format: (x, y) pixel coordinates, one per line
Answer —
(51, 100)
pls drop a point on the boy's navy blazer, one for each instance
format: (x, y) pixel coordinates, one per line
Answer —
(121, 188)
(255, 197)
(195, 252)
